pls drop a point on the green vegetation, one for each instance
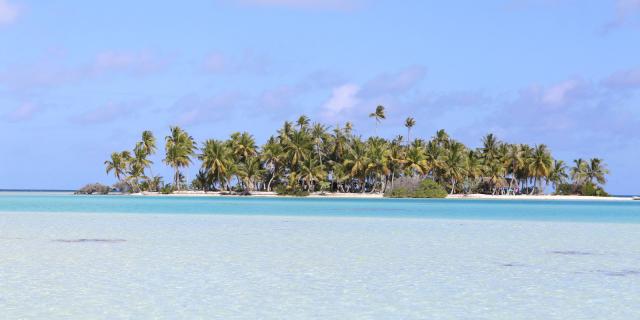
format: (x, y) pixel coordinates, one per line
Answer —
(304, 157)
(422, 189)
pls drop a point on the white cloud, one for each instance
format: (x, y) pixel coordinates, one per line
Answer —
(558, 94)
(343, 99)
(625, 10)
(624, 79)
(8, 12)
(24, 112)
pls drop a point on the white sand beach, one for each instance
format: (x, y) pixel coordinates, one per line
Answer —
(380, 195)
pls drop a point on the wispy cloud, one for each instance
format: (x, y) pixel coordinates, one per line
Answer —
(247, 62)
(194, 109)
(341, 5)
(9, 12)
(626, 11)
(107, 113)
(24, 112)
(343, 99)
(624, 79)
(51, 70)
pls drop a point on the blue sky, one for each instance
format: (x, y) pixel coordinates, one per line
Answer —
(79, 79)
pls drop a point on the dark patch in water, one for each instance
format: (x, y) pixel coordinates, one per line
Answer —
(89, 240)
(515, 264)
(622, 273)
(573, 253)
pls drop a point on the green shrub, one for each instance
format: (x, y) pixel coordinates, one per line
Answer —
(589, 189)
(283, 190)
(430, 189)
(565, 189)
(424, 189)
(167, 189)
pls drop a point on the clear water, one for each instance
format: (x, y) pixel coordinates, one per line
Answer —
(537, 210)
(69, 257)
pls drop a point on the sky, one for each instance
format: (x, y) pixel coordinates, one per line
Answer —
(81, 79)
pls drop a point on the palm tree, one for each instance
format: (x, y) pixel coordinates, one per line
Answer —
(597, 170)
(579, 172)
(273, 157)
(311, 171)
(303, 122)
(249, 171)
(513, 161)
(540, 165)
(377, 152)
(558, 174)
(118, 164)
(409, 123)
(216, 159)
(454, 163)
(357, 162)
(179, 148)
(379, 116)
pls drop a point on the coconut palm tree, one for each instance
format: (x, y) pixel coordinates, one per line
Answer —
(540, 166)
(273, 157)
(118, 164)
(409, 123)
(558, 173)
(179, 148)
(379, 115)
(597, 170)
(311, 172)
(357, 162)
(216, 160)
(250, 171)
(454, 163)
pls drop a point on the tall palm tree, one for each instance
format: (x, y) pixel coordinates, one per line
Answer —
(303, 122)
(454, 163)
(597, 170)
(118, 164)
(379, 115)
(514, 161)
(250, 171)
(540, 165)
(409, 123)
(311, 171)
(579, 171)
(558, 173)
(357, 162)
(179, 148)
(273, 157)
(216, 160)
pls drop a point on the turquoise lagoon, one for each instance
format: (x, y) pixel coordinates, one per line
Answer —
(537, 210)
(124, 257)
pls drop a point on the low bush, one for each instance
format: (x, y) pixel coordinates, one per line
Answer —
(416, 189)
(94, 188)
(167, 189)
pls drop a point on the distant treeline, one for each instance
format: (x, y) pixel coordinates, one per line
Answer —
(306, 157)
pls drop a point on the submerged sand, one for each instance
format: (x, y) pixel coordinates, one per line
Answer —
(126, 266)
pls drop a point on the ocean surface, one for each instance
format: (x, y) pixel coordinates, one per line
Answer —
(123, 257)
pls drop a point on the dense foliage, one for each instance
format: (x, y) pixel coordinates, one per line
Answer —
(310, 157)
(415, 188)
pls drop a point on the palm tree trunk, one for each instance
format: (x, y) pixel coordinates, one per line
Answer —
(453, 185)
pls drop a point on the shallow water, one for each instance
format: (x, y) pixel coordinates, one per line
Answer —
(538, 210)
(243, 258)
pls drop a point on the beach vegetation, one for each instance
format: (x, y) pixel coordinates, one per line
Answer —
(305, 157)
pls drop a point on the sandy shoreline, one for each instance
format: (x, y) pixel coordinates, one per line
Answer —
(380, 196)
